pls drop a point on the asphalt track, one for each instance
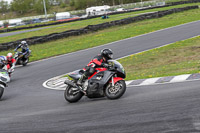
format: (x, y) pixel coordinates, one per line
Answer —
(29, 107)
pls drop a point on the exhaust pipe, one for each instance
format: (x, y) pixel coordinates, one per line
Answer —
(70, 83)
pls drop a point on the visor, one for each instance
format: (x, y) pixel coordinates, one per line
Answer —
(110, 56)
(9, 58)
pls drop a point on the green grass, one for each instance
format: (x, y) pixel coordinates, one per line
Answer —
(169, 1)
(178, 58)
(81, 24)
(67, 45)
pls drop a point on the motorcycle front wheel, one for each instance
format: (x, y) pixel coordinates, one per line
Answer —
(1, 91)
(72, 95)
(116, 91)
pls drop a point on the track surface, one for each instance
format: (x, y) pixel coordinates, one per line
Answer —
(28, 107)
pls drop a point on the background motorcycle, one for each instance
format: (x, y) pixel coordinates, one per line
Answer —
(22, 59)
(104, 82)
(4, 79)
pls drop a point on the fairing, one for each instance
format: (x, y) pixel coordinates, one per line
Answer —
(118, 68)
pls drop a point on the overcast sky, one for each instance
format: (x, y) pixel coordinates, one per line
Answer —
(7, 0)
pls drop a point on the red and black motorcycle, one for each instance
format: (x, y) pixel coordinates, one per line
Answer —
(107, 82)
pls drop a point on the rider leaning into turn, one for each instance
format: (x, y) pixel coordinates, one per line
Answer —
(24, 46)
(10, 62)
(3, 63)
(98, 61)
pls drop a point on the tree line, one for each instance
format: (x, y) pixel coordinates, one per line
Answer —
(26, 6)
(23, 6)
(82, 4)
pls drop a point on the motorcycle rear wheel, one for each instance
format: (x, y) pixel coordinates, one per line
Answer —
(25, 63)
(117, 91)
(72, 98)
(1, 91)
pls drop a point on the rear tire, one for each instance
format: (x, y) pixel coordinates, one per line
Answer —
(70, 97)
(25, 63)
(1, 91)
(117, 91)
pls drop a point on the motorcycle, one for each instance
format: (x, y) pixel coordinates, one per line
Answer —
(22, 59)
(4, 79)
(107, 82)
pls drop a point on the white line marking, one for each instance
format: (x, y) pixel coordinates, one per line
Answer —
(149, 81)
(56, 82)
(61, 83)
(63, 86)
(168, 82)
(180, 78)
(128, 82)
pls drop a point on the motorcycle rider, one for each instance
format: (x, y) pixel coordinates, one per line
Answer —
(3, 63)
(98, 61)
(24, 46)
(10, 63)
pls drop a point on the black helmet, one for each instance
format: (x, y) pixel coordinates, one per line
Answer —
(107, 53)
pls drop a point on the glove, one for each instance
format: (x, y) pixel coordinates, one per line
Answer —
(11, 70)
(105, 65)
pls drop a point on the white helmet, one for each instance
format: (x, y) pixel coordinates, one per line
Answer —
(23, 42)
(9, 56)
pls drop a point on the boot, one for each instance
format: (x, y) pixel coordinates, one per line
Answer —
(81, 79)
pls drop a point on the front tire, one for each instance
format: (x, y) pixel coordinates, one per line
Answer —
(117, 91)
(72, 96)
(1, 91)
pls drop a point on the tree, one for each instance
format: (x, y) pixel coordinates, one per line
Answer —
(4, 7)
(62, 3)
(72, 3)
(22, 6)
(82, 4)
(39, 6)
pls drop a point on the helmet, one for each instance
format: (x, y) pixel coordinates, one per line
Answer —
(9, 56)
(23, 42)
(107, 53)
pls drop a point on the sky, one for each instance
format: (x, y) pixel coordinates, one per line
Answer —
(7, 0)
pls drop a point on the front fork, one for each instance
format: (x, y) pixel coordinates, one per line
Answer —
(115, 79)
(113, 84)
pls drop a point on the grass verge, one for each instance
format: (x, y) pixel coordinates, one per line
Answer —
(72, 44)
(84, 23)
(178, 58)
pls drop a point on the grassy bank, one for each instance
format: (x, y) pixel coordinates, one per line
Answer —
(81, 24)
(71, 44)
(178, 58)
